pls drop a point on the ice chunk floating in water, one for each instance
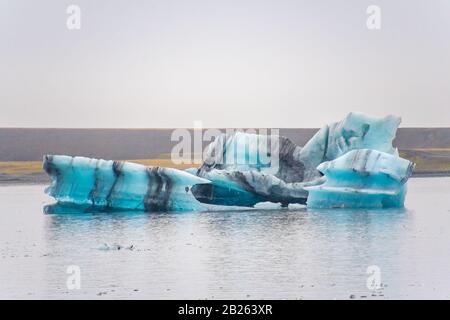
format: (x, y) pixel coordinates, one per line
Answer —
(362, 179)
(243, 174)
(350, 163)
(120, 185)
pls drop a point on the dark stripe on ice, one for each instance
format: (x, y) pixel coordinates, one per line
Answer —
(93, 193)
(167, 188)
(290, 169)
(240, 178)
(53, 172)
(117, 170)
(159, 189)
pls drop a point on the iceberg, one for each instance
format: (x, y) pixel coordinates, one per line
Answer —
(120, 185)
(362, 178)
(246, 168)
(355, 131)
(350, 163)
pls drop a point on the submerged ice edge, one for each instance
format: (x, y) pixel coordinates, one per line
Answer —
(62, 208)
(350, 163)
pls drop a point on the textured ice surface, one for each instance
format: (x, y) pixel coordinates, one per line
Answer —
(247, 188)
(244, 169)
(247, 168)
(120, 185)
(356, 131)
(362, 179)
(269, 154)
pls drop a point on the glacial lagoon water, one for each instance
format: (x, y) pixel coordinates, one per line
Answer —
(290, 253)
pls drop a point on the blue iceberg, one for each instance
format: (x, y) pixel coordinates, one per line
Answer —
(242, 173)
(120, 185)
(350, 163)
(362, 178)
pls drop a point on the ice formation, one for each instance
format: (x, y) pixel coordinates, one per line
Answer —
(245, 169)
(356, 131)
(350, 163)
(362, 178)
(120, 185)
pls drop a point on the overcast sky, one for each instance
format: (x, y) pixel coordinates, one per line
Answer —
(246, 63)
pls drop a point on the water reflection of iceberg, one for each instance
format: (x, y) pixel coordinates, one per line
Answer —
(263, 252)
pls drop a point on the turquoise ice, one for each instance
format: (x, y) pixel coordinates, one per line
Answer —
(355, 131)
(242, 173)
(120, 185)
(350, 163)
(362, 178)
(247, 168)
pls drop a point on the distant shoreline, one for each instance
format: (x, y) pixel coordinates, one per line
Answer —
(31, 173)
(22, 149)
(431, 174)
(31, 144)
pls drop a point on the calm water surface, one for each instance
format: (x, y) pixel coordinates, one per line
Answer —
(252, 254)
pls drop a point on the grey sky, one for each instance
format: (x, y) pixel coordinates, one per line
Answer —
(247, 63)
